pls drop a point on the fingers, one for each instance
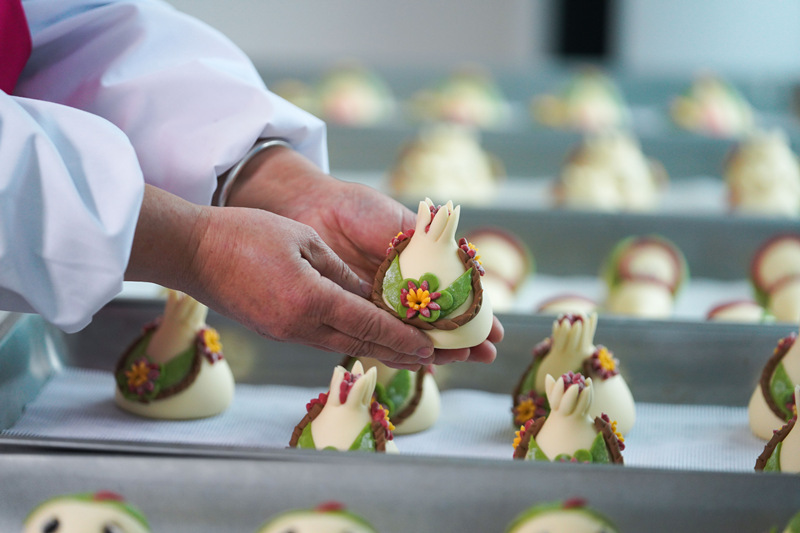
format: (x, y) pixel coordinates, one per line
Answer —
(330, 266)
(497, 332)
(485, 352)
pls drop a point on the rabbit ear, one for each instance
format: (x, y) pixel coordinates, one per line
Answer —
(336, 383)
(423, 216)
(454, 214)
(363, 388)
(554, 390)
(585, 398)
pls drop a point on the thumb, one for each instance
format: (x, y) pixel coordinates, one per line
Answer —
(331, 266)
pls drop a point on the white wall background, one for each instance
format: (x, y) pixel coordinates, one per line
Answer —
(739, 37)
(506, 33)
(653, 36)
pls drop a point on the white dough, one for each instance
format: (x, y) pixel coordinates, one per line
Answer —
(77, 516)
(210, 394)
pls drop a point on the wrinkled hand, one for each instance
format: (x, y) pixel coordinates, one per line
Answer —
(272, 274)
(356, 221)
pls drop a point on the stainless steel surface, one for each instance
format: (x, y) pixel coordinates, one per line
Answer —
(396, 493)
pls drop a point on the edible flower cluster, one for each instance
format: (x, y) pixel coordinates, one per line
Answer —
(571, 378)
(141, 376)
(380, 414)
(472, 251)
(419, 299)
(322, 399)
(529, 406)
(397, 239)
(347, 383)
(522, 429)
(603, 363)
(613, 424)
(209, 345)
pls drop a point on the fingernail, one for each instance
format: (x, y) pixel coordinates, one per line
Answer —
(425, 353)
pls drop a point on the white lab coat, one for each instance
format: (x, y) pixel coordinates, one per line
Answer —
(116, 94)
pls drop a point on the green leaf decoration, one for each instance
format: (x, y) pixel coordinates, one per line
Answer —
(383, 398)
(794, 524)
(433, 281)
(450, 299)
(365, 441)
(529, 383)
(399, 389)
(306, 440)
(603, 523)
(459, 290)
(177, 368)
(599, 450)
(774, 461)
(583, 456)
(535, 453)
(392, 283)
(445, 300)
(781, 389)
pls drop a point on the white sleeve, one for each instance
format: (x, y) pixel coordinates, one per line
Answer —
(189, 100)
(70, 194)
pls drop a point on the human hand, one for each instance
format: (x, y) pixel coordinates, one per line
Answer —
(356, 221)
(271, 274)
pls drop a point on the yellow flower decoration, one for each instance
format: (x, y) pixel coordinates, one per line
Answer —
(418, 299)
(617, 433)
(212, 340)
(518, 436)
(606, 360)
(138, 375)
(525, 411)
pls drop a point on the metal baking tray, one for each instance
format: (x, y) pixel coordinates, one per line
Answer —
(199, 488)
(397, 494)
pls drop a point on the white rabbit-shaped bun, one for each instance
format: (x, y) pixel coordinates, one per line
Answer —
(433, 251)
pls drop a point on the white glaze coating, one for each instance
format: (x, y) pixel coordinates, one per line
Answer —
(784, 302)
(739, 312)
(641, 298)
(499, 292)
(561, 521)
(426, 413)
(339, 424)
(183, 318)
(763, 176)
(780, 260)
(712, 107)
(613, 397)
(572, 343)
(609, 172)
(568, 428)
(651, 259)
(762, 420)
(446, 162)
(501, 257)
(568, 304)
(790, 449)
(436, 251)
(314, 522)
(77, 516)
(210, 394)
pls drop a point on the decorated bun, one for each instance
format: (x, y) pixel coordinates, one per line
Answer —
(568, 433)
(571, 516)
(175, 369)
(347, 417)
(432, 282)
(772, 403)
(608, 172)
(331, 517)
(644, 275)
(411, 398)
(101, 512)
(571, 349)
